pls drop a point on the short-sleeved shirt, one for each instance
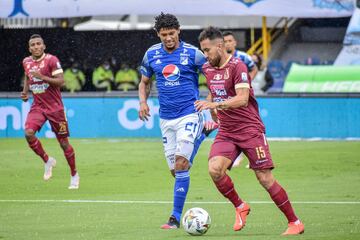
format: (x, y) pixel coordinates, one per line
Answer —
(245, 58)
(176, 76)
(222, 83)
(46, 97)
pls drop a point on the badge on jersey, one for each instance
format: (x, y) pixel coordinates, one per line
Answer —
(171, 72)
(184, 60)
(244, 77)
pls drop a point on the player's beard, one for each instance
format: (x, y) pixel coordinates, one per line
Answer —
(215, 61)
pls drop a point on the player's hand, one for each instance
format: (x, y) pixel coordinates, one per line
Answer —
(24, 96)
(210, 125)
(37, 74)
(144, 111)
(203, 105)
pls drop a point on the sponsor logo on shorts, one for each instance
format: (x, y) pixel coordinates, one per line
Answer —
(258, 162)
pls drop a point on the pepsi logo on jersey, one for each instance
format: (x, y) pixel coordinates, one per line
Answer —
(171, 72)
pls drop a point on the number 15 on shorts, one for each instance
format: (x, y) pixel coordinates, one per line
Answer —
(260, 152)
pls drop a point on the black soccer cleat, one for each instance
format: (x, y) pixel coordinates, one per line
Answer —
(171, 224)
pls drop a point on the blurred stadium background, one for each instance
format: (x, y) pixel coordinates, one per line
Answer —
(310, 47)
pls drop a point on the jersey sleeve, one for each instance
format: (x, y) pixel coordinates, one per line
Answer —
(55, 66)
(199, 59)
(145, 68)
(241, 76)
(248, 61)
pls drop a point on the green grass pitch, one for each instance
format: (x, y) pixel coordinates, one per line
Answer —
(126, 192)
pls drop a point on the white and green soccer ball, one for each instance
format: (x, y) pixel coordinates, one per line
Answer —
(196, 221)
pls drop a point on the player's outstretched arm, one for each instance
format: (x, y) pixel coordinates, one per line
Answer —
(201, 105)
(144, 92)
(240, 100)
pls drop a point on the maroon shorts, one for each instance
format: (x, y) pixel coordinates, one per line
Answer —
(59, 125)
(255, 148)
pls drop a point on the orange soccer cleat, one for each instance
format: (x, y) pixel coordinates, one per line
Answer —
(294, 228)
(241, 214)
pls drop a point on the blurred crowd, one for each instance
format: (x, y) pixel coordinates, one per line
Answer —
(108, 76)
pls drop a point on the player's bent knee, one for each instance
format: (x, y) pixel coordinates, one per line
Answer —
(181, 163)
(215, 170)
(265, 178)
(64, 143)
(184, 149)
(29, 133)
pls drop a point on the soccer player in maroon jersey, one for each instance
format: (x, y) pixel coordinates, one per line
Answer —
(240, 130)
(44, 77)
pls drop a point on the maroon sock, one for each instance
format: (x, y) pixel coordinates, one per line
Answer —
(36, 146)
(226, 186)
(70, 157)
(281, 199)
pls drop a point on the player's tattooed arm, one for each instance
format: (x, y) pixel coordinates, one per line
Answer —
(240, 100)
(25, 92)
(144, 92)
(57, 80)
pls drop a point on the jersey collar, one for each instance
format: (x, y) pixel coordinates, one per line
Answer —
(181, 43)
(40, 59)
(226, 62)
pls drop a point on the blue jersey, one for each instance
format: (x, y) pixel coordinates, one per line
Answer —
(245, 58)
(176, 75)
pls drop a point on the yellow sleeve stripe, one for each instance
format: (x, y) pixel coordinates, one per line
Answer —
(242, 85)
(57, 71)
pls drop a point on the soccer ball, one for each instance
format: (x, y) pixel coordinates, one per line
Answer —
(196, 221)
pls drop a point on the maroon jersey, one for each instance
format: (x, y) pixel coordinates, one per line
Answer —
(222, 83)
(46, 97)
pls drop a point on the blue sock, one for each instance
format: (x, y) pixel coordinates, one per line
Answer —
(197, 144)
(182, 182)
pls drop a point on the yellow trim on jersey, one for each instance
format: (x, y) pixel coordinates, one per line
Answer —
(226, 62)
(242, 85)
(40, 59)
(57, 71)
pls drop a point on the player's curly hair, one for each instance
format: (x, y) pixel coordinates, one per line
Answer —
(166, 21)
(210, 33)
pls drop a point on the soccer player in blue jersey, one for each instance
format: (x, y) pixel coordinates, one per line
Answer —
(175, 65)
(230, 45)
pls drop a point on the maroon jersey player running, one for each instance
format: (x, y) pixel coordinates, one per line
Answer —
(241, 130)
(44, 77)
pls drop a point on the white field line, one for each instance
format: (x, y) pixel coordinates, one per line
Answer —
(164, 202)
